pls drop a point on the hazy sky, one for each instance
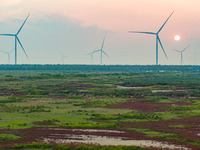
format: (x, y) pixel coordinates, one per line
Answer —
(77, 27)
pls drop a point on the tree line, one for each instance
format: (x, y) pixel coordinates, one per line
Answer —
(101, 68)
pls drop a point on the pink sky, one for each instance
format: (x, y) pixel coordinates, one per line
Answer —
(110, 14)
(118, 16)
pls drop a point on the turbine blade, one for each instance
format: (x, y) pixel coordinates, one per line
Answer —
(106, 54)
(162, 47)
(96, 51)
(185, 48)
(90, 53)
(141, 32)
(176, 50)
(11, 51)
(4, 52)
(102, 43)
(7, 34)
(165, 22)
(23, 24)
(21, 46)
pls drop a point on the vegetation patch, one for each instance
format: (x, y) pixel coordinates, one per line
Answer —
(42, 146)
(89, 125)
(193, 107)
(180, 126)
(126, 116)
(101, 102)
(156, 134)
(23, 109)
(91, 100)
(8, 137)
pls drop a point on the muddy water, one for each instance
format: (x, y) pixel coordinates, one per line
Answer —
(104, 140)
(123, 87)
(155, 91)
(93, 130)
(88, 130)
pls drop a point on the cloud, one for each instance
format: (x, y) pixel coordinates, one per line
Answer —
(6, 3)
(44, 39)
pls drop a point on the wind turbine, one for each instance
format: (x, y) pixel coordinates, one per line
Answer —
(157, 38)
(17, 40)
(63, 57)
(101, 50)
(8, 53)
(181, 53)
(91, 55)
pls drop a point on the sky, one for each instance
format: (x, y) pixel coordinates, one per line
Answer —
(76, 28)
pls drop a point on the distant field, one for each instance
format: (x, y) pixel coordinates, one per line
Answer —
(94, 110)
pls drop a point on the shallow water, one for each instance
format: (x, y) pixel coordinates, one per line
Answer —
(155, 91)
(88, 130)
(124, 87)
(105, 140)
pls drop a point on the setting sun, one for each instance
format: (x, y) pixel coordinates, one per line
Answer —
(177, 37)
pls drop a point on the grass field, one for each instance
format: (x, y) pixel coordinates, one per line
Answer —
(47, 110)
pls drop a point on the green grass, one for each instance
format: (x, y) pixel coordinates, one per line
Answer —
(41, 146)
(180, 126)
(131, 116)
(82, 100)
(92, 102)
(8, 137)
(156, 134)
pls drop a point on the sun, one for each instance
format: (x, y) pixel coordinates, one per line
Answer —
(177, 37)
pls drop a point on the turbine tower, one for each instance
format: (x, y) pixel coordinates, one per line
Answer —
(63, 57)
(157, 38)
(101, 51)
(181, 53)
(91, 55)
(17, 40)
(8, 53)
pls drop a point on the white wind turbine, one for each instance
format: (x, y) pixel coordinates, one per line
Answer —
(181, 53)
(63, 57)
(8, 53)
(157, 38)
(17, 40)
(91, 56)
(101, 51)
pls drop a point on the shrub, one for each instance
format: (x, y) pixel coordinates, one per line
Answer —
(33, 145)
(8, 137)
